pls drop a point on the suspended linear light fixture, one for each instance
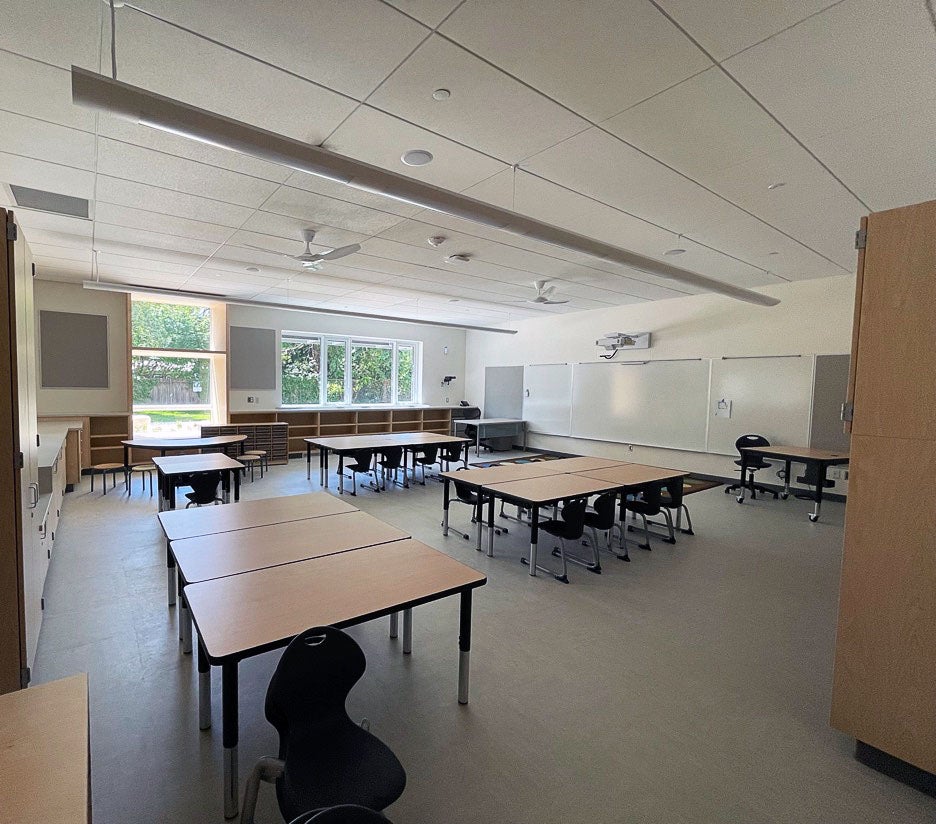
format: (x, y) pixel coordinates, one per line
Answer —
(99, 93)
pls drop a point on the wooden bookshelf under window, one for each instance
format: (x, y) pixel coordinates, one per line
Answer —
(312, 423)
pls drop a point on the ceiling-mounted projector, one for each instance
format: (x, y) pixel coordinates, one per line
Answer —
(613, 341)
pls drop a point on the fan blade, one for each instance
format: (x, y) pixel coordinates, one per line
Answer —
(553, 302)
(548, 292)
(268, 251)
(340, 252)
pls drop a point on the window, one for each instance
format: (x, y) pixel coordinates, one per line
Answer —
(353, 371)
(175, 372)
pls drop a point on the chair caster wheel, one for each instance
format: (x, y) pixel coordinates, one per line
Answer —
(740, 500)
(784, 496)
(562, 578)
(727, 491)
(813, 518)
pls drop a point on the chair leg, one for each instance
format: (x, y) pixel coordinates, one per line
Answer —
(646, 534)
(266, 769)
(669, 526)
(688, 529)
(92, 480)
(622, 555)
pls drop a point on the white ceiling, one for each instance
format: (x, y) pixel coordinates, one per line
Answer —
(650, 124)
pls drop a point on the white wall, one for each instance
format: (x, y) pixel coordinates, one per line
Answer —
(813, 317)
(435, 363)
(71, 297)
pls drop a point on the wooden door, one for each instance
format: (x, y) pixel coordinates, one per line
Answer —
(12, 624)
(884, 686)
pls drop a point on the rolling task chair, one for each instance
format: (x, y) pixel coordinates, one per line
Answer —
(204, 489)
(325, 759)
(759, 463)
(342, 814)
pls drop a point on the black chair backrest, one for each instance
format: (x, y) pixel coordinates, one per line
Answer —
(312, 680)
(453, 451)
(362, 458)
(343, 814)
(573, 513)
(204, 487)
(810, 477)
(465, 493)
(428, 455)
(604, 511)
(674, 492)
(473, 413)
(392, 457)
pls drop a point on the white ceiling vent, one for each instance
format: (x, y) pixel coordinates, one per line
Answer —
(58, 204)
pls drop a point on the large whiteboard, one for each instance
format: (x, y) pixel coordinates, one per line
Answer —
(769, 396)
(547, 398)
(658, 403)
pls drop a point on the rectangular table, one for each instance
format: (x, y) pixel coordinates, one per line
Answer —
(483, 425)
(342, 444)
(244, 615)
(821, 459)
(169, 471)
(178, 524)
(45, 756)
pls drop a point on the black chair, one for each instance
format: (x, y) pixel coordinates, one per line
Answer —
(673, 500)
(361, 463)
(753, 466)
(427, 456)
(810, 477)
(569, 526)
(204, 489)
(471, 431)
(325, 759)
(601, 517)
(647, 502)
(451, 453)
(342, 814)
(473, 497)
(390, 462)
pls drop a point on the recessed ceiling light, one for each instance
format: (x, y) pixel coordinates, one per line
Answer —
(417, 157)
(251, 269)
(435, 241)
(771, 254)
(778, 185)
(454, 300)
(674, 252)
(441, 94)
(458, 259)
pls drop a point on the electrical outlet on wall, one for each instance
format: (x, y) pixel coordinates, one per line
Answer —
(251, 399)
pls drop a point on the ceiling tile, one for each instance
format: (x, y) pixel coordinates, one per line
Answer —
(151, 240)
(348, 46)
(381, 139)
(339, 191)
(487, 110)
(816, 76)
(430, 12)
(725, 27)
(206, 75)
(107, 213)
(50, 177)
(170, 172)
(39, 139)
(165, 201)
(41, 91)
(36, 222)
(597, 57)
(284, 234)
(321, 211)
(701, 124)
(61, 32)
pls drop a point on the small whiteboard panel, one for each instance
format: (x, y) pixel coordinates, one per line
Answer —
(503, 392)
(547, 398)
(769, 396)
(659, 403)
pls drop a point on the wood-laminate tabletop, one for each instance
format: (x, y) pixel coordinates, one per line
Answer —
(798, 452)
(178, 524)
(243, 614)
(500, 474)
(343, 443)
(245, 550)
(550, 488)
(633, 474)
(45, 753)
(180, 464)
(582, 463)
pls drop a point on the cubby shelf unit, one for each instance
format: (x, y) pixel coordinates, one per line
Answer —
(312, 423)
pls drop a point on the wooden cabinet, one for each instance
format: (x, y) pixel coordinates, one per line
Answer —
(884, 686)
(311, 423)
(271, 437)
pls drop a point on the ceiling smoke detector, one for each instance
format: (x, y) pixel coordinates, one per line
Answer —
(675, 252)
(441, 94)
(417, 157)
(435, 241)
(458, 259)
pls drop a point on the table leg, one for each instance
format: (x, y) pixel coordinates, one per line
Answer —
(226, 487)
(786, 480)
(445, 506)
(171, 572)
(407, 631)
(464, 645)
(465, 457)
(534, 535)
(308, 462)
(229, 736)
(237, 480)
(479, 519)
(323, 467)
(394, 624)
(490, 520)
(341, 473)
(170, 490)
(126, 463)
(185, 616)
(204, 688)
(820, 478)
(405, 470)
(478, 440)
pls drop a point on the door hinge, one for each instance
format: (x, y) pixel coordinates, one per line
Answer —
(33, 269)
(42, 603)
(25, 677)
(848, 411)
(861, 238)
(11, 233)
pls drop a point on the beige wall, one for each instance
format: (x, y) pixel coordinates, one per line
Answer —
(435, 339)
(814, 317)
(70, 297)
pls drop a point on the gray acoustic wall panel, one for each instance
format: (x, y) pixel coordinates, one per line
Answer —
(831, 384)
(503, 392)
(252, 358)
(73, 350)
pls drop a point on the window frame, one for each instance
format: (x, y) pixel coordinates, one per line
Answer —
(327, 340)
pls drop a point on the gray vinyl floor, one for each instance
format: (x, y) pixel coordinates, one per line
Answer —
(690, 685)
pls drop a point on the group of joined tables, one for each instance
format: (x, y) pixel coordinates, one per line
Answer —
(253, 576)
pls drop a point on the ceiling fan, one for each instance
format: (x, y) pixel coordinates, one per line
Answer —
(309, 259)
(544, 294)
